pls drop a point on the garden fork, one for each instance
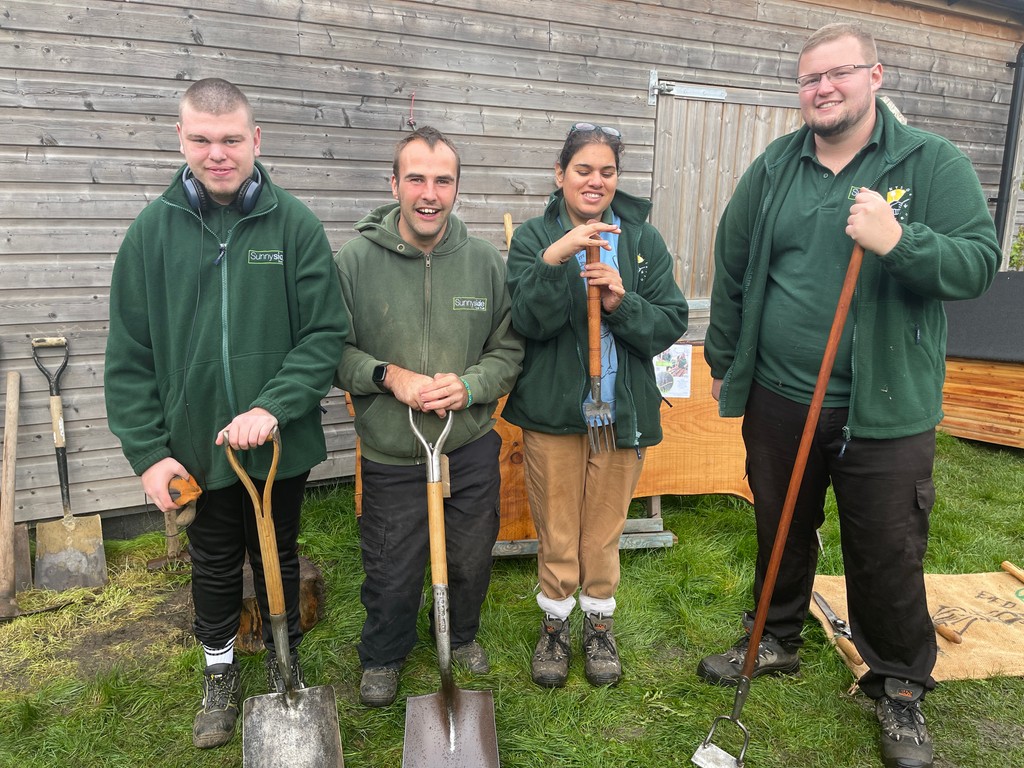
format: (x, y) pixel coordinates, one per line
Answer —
(597, 414)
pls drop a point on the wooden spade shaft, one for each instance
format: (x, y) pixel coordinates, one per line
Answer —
(594, 317)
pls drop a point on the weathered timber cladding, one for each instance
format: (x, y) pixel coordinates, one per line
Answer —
(88, 100)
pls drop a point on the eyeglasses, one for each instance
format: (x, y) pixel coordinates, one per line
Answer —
(836, 76)
(586, 127)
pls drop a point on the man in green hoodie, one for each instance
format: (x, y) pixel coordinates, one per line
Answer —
(431, 331)
(224, 326)
(853, 174)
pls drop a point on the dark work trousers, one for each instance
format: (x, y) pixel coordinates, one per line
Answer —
(394, 538)
(884, 494)
(224, 528)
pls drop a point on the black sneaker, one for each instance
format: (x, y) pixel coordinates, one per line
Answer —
(773, 658)
(379, 686)
(275, 681)
(473, 657)
(214, 724)
(602, 665)
(549, 667)
(905, 739)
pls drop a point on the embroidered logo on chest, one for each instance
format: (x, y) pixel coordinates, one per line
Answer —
(266, 257)
(469, 303)
(898, 199)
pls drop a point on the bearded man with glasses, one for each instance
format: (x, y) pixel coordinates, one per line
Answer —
(853, 174)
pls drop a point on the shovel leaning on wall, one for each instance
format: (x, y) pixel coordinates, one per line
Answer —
(69, 551)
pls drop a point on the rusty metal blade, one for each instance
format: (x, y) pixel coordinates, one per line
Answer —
(464, 736)
(298, 729)
(69, 553)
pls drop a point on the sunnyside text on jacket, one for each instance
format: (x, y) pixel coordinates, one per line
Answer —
(443, 312)
(549, 309)
(948, 251)
(201, 331)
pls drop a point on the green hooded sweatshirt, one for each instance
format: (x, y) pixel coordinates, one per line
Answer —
(442, 312)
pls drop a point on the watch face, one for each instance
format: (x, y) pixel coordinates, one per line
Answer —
(379, 373)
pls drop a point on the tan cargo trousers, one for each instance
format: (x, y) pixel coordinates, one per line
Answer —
(579, 501)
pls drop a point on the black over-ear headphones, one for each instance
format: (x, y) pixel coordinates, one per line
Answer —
(199, 198)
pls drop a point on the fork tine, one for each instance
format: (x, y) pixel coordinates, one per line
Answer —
(592, 435)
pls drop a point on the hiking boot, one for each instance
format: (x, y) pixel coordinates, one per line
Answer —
(214, 724)
(602, 665)
(549, 667)
(379, 686)
(773, 658)
(275, 682)
(473, 657)
(905, 739)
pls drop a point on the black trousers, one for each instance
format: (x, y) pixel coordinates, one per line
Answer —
(394, 539)
(224, 529)
(884, 494)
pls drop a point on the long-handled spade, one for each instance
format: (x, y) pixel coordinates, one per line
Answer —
(297, 728)
(453, 728)
(598, 414)
(709, 755)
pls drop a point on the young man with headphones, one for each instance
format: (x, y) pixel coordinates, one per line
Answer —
(225, 325)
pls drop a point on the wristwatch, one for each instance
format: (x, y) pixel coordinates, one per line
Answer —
(379, 372)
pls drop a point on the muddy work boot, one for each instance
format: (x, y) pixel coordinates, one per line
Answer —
(549, 667)
(214, 724)
(905, 739)
(379, 686)
(602, 665)
(773, 658)
(275, 681)
(473, 657)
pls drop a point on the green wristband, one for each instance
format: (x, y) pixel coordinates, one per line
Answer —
(469, 391)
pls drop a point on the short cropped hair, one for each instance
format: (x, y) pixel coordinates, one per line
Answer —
(831, 32)
(432, 137)
(214, 96)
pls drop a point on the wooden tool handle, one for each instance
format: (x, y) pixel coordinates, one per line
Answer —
(265, 526)
(1013, 570)
(594, 316)
(7, 558)
(438, 546)
(507, 219)
(946, 631)
(849, 650)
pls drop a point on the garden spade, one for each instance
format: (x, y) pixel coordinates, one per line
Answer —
(453, 728)
(69, 552)
(297, 728)
(708, 755)
(597, 414)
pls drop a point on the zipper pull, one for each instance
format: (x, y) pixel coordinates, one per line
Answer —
(220, 255)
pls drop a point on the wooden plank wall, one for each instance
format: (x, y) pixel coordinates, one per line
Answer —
(88, 99)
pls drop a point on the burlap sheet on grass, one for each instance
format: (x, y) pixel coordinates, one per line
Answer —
(987, 609)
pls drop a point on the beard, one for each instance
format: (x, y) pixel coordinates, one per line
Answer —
(841, 124)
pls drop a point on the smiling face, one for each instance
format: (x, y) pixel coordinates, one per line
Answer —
(837, 111)
(425, 188)
(221, 150)
(588, 182)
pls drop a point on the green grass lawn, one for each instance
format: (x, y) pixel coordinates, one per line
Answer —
(113, 680)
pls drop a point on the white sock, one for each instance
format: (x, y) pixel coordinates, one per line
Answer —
(600, 606)
(556, 609)
(224, 655)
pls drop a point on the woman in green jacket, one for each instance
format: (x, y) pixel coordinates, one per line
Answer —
(579, 496)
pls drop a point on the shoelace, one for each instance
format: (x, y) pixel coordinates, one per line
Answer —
(555, 643)
(218, 691)
(599, 642)
(905, 719)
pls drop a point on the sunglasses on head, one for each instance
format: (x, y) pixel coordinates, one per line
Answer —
(587, 127)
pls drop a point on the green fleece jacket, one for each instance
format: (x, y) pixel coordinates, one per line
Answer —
(948, 251)
(207, 324)
(442, 312)
(549, 308)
